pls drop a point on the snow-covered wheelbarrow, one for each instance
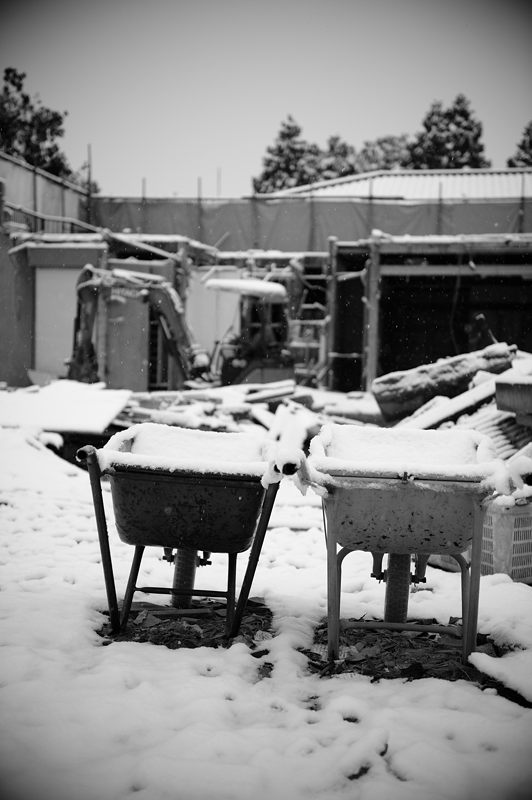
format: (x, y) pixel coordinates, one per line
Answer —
(402, 493)
(184, 490)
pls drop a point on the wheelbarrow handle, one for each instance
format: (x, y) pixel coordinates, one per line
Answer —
(88, 455)
(260, 533)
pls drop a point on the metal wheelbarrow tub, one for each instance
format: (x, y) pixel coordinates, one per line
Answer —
(402, 516)
(162, 509)
(417, 507)
(193, 495)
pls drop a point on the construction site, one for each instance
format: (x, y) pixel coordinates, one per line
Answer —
(306, 421)
(372, 302)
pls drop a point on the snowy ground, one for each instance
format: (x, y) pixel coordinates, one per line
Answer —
(132, 720)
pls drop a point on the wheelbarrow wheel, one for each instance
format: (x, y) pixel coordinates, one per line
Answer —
(185, 563)
(397, 587)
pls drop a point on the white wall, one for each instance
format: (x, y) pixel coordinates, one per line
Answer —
(211, 313)
(55, 312)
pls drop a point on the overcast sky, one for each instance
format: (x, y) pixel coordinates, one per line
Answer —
(172, 91)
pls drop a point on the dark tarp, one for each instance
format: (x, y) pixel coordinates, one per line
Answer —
(304, 225)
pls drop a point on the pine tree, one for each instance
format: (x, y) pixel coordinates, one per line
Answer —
(386, 152)
(523, 154)
(450, 139)
(290, 161)
(28, 130)
(338, 160)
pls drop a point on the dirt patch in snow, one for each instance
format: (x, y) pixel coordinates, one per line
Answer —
(201, 625)
(379, 654)
(410, 655)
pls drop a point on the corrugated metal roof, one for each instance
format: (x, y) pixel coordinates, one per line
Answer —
(472, 184)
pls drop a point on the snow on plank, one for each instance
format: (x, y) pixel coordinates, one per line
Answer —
(63, 406)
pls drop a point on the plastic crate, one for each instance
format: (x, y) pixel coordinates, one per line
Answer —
(506, 543)
(514, 394)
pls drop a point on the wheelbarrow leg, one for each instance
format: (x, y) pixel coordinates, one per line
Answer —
(231, 583)
(88, 454)
(131, 585)
(260, 533)
(334, 577)
(474, 583)
(465, 581)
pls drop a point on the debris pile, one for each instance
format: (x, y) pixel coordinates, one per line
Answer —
(403, 392)
(450, 391)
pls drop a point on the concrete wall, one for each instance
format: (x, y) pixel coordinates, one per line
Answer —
(16, 317)
(38, 307)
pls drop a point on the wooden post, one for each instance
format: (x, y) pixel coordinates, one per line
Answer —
(332, 299)
(371, 316)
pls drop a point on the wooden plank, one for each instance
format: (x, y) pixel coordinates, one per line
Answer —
(452, 408)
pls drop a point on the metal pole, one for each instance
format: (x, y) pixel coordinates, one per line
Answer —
(312, 221)
(143, 206)
(62, 201)
(521, 212)
(35, 209)
(370, 208)
(200, 213)
(439, 216)
(255, 221)
(89, 184)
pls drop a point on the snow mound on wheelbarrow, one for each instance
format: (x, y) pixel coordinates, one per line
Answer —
(156, 446)
(342, 451)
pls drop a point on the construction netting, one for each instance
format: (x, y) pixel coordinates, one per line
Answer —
(304, 224)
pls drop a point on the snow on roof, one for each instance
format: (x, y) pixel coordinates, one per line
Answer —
(478, 184)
